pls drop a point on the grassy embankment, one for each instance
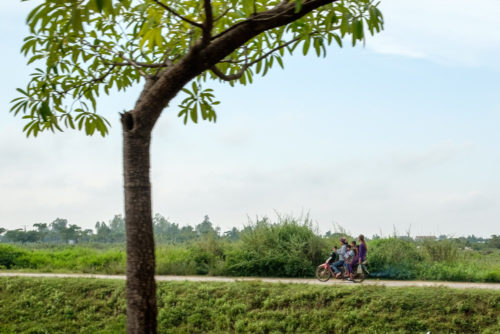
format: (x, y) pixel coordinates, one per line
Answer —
(398, 263)
(288, 248)
(31, 305)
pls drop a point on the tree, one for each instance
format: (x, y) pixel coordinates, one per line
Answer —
(165, 231)
(187, 233)
(205, 228)
(42, 229)
(494, 242)
(59, 227)
(233, 234)
(88, 47)
(117, 227)
(103, 232)
(73, 232)
(86, 235)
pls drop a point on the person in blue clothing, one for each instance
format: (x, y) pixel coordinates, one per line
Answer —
(341, 253)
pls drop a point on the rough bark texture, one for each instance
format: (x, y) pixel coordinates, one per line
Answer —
(141, 287)
(137, 127)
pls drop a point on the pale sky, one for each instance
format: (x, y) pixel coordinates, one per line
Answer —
(403, 133)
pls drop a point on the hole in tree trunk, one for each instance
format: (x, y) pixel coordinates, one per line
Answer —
(128, 121)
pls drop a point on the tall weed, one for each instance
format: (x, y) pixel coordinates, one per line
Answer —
(440, 251)
(287, 248)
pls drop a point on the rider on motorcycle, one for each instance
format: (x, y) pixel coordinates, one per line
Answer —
(341, 253)
(333, 256)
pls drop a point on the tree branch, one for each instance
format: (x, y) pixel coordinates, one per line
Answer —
(173, 12)
(238, 61)
(85, 83)
(240, 73)
(134, 64)
(221, 15)
(128, 61)
(229, 77)
(209, 21)
(284, 11)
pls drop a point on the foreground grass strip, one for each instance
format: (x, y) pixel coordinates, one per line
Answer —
(43, 305)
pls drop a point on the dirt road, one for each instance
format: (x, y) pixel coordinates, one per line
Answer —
(454, 285)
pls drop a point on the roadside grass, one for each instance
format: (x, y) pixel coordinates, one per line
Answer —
(288, 251)
(63, 258)
(55, 305)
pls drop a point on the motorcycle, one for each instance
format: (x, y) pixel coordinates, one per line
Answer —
(324, 272)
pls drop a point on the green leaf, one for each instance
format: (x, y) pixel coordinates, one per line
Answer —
(298, 6)
(45, 111)
(338, 39)
(307, 43)
(99, 4)
(280, 61)
(22, 91)
(358, 29)
(194, 113)
(248, 6)
(76, 18)
(317, 47)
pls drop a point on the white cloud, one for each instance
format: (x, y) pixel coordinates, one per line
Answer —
(468, 201)
(421, 159)
(447, 31)
(57, 175)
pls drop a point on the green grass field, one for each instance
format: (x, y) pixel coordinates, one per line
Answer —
(388, 258)
(29, 305)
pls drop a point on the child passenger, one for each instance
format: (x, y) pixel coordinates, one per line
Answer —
(333, 256)
(350, 254)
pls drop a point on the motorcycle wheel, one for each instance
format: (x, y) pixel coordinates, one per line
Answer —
(359, 277)
(323, 274)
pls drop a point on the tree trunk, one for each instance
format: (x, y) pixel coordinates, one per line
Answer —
(141, 286)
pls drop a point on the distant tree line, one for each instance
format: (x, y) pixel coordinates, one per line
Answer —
(166, 232)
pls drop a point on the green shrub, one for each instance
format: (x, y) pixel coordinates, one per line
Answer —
(11, 256)
(288, 248)
(393, 258)
(109, 262)
(63, 258)
(208, 255)
(174, 260)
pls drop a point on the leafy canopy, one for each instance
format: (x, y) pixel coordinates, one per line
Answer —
(83, 48)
